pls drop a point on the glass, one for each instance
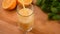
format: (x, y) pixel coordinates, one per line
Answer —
(25, 22)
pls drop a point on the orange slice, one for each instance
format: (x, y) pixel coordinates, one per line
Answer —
(26, 2)
(9, 4)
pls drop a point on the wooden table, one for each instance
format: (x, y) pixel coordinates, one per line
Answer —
(8, 23)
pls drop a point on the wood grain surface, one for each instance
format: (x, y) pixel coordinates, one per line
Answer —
(8, 23)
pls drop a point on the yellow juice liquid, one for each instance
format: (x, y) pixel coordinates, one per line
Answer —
(26, 19)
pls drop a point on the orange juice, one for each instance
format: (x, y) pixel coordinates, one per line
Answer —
(26, 18)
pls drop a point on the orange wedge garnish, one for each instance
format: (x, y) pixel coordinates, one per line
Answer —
(26, 2)
(9, 4)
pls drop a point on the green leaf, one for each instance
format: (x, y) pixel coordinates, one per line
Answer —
(50, 15)
(56, 17)
(38, 2)
(54, 10)
(55, 3)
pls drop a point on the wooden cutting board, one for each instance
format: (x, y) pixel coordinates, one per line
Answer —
(8, 23)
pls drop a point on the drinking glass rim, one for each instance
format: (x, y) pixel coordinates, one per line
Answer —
(28, 15)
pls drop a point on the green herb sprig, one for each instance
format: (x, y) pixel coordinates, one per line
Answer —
(51, 7)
